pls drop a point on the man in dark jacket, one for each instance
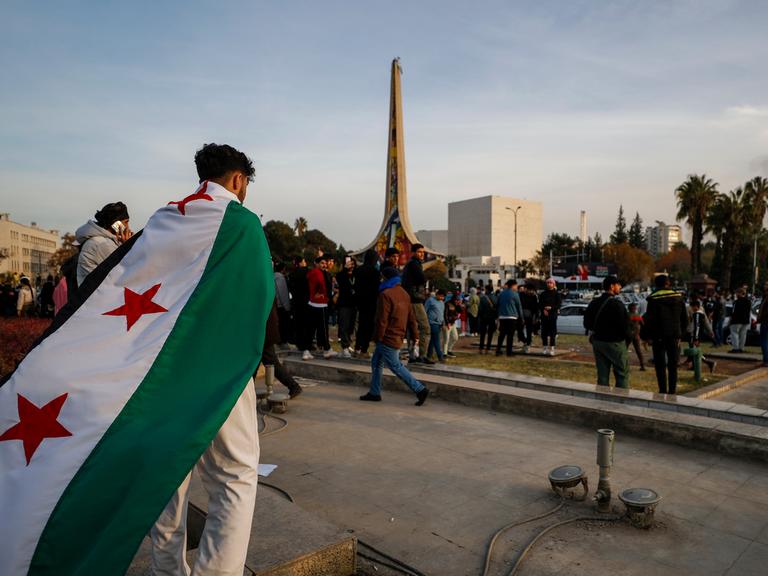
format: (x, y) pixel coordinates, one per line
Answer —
(486, 318)
(549, 305)
(608, 322)
(299, 289)
(394, 314)
(740, 318)
(665, 322)
(366, 292)
(346, 304)
(415, 284)
(530, 302)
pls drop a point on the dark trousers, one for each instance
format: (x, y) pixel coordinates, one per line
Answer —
(525, 331)
(506, 331)
(319, 327)
(486, 328)
(347, 317)
(284, 320)
(472, 323)
(301, 327)
(269, 358)
(666, 355)
(548, 330)
(365, 319)
(637, 345)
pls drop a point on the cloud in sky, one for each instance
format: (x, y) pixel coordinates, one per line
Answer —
(581, 105)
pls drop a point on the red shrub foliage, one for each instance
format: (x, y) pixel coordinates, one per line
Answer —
(16, 338)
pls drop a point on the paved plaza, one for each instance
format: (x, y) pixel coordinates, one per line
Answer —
(430, 485)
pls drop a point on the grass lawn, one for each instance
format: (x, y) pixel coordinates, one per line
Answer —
(575, 371)
(577, 366)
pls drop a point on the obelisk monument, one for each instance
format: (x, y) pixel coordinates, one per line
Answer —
(396, 228)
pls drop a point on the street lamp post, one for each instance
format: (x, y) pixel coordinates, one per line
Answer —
(514, 264)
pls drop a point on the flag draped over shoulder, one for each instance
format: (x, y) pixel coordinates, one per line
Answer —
(108, 413)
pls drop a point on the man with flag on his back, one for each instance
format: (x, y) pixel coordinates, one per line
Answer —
(146, 370)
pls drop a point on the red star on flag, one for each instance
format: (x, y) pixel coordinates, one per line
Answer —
(199, 195)
(36, 424)
(136, 305)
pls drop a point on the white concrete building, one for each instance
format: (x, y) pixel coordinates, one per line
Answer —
(25, 250)
(435, 239)
(485, 226)
(481, 233)
(661, 238)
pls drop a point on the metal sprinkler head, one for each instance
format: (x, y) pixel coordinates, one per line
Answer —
(564, 479)
(641, 504)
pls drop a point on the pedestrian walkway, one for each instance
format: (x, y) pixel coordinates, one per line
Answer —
(752, 394)
(430, 485)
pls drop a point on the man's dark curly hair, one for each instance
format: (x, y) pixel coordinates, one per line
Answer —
(216, 160)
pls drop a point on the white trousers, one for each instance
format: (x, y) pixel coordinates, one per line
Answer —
(739, 336)
(450, 337)
(229, 471)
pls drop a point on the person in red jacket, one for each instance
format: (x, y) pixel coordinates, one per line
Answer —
(394, 314)
(318, 309)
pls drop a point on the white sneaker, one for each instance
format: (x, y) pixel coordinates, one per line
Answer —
(552, 351)
(546, 350)
(307, 355)
(330, 354)
(346, 353)
(525, 349)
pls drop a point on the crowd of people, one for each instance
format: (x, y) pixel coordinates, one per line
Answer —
(669, 322)
(311, 298)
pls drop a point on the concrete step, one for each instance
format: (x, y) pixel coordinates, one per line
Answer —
(285, 540)
(705, 424)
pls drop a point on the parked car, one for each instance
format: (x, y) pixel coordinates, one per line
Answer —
(571, 319)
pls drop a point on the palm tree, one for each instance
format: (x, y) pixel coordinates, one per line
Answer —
(728, 219)
(451, 261)
(756, 193)
(300, 226)
(695, 196)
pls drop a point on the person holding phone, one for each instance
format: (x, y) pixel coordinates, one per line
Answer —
(99, 237)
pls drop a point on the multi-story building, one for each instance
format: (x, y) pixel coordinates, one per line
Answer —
(435, 239)
(26, 250)
(485, 226)
(661, 238)
(491, 234)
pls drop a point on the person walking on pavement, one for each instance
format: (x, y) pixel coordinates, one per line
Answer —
(509, 311)
(607, 320)
(415, 284)
(665, 321)
(394, 313)
(269, 356)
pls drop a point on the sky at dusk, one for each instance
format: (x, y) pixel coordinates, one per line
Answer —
(579, 105)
